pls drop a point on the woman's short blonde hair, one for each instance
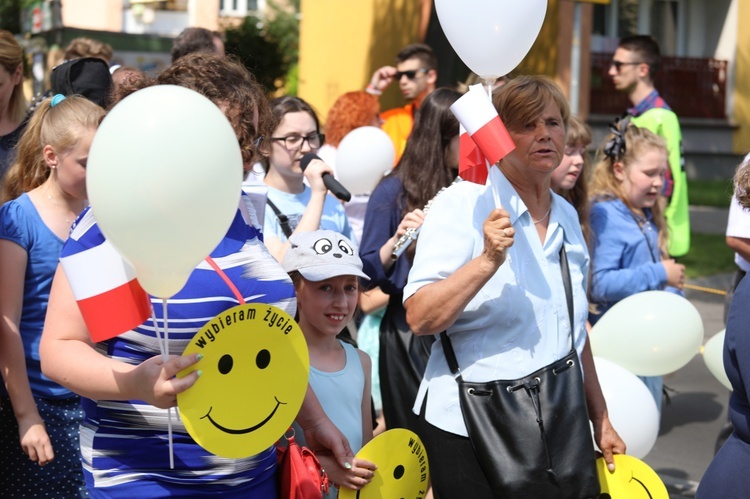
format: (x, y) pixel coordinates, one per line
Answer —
(524, 98)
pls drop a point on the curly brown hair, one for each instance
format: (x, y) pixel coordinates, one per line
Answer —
(742, 183)
(227, 83)
(351, 110)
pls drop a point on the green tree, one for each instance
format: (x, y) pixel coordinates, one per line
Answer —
(269, 48)
(10, 15)
(258, 52)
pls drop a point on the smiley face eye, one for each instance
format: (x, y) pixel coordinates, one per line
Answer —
(345, 248)
(263, 359)
(225, 364)
(398, 472)
(322, 246)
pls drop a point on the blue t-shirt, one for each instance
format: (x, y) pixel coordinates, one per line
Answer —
(124, 444)
(293, 206)
(21, 224)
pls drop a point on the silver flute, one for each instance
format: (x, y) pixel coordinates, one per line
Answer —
(412, 233)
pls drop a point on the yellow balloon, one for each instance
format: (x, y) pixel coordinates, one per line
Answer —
(403, 470)
(254, 375)
(632, 479)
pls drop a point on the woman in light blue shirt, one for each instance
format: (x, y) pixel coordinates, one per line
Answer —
(487, 270)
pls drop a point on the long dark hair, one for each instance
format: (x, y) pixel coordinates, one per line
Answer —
(423, 169)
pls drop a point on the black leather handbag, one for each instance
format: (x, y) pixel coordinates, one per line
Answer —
(531, 435)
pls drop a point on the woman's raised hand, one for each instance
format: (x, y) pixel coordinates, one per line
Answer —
(155, 380)
(498, 236)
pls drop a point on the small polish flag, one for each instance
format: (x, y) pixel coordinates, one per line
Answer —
(103, 283)
(482, 129)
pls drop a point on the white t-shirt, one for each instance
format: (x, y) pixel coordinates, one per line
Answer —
(738, 225)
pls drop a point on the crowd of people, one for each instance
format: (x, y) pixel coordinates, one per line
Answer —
(488, 269)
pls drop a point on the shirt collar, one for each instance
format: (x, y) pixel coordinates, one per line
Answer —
(512, 202)
(651, 101)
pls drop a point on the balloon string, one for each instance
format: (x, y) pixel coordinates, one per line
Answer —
(158, 334)
(166, 358)
(486, 161)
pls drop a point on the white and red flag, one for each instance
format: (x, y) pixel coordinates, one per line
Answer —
(484, 139)
(103, 283)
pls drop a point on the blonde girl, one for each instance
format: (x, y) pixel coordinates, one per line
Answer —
(569, 178)
(43, 192)
(629, 234)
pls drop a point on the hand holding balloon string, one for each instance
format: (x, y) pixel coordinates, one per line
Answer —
(154, 379)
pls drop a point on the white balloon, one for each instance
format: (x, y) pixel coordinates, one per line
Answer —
(650, 333)
(713, 356)
(491, 36)
(164, 178)
(364, 155)
(631, 407)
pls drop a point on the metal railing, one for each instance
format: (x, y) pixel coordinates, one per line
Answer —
(693, 87)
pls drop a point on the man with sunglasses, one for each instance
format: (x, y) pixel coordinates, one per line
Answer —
(416, 74)
(635, 61)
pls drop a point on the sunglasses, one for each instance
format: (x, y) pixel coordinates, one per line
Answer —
(410, 74)
(618, 64)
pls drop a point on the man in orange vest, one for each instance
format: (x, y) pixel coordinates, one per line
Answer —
(416, 74)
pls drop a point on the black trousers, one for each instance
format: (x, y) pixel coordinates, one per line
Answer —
(454, 469)
(403, 358)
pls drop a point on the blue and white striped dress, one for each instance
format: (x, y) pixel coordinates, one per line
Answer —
(124, 444)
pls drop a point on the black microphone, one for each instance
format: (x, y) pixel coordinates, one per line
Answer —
(331, 183)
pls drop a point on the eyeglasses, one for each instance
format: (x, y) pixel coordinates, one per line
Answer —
(314, 140)
(410, 74)
(618, 64)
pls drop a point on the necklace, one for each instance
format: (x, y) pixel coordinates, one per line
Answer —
(67, 219)
(545, 216)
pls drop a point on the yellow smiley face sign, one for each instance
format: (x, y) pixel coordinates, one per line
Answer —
(403, 470)
(632, 479)
(254, 375)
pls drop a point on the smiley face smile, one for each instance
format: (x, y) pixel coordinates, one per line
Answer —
(243, 430)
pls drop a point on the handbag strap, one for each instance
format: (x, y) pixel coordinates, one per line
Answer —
(450, 354)
(283, 219)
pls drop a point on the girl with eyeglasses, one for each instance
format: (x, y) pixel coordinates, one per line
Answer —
(293, 206)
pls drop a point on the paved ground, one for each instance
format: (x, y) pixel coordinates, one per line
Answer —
(692, 421)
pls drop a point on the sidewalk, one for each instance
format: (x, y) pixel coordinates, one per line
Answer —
(708, 219)
(704, 220)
